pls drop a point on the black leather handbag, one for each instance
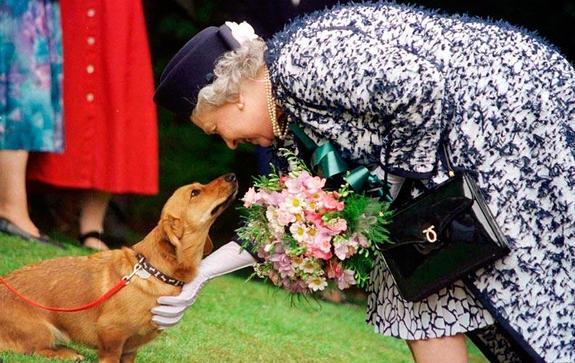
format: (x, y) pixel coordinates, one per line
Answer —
(441, 236)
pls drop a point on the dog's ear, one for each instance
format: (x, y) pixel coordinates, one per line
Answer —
(173, 229)
(208, 246)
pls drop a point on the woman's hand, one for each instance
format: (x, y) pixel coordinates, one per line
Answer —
(226, 259)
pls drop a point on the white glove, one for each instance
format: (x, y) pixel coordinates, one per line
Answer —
(228, 258)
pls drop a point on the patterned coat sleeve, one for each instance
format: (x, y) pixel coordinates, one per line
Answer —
(346, 86)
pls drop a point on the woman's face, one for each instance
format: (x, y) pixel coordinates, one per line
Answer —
(246, 120)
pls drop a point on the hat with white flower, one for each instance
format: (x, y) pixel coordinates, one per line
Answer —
(192, 67)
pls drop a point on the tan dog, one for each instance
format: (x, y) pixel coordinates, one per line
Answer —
(120, 325)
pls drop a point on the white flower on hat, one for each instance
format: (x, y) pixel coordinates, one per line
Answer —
(242, 31)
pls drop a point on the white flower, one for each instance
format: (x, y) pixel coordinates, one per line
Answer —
(298, 231)
(317, 283)
(309, 266)
(242, 32)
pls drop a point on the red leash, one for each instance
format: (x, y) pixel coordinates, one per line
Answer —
(100, 300)
(123, 282)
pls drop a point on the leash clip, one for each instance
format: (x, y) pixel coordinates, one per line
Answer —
(137, 267)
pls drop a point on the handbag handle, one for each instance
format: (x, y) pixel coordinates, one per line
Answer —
(447, 157)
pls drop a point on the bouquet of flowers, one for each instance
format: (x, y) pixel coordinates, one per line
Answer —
(308, 235)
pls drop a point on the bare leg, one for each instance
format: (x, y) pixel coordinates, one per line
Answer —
(13, 196)
(446, 349)
(93, 208)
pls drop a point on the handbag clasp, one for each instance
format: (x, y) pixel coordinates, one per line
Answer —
(430, 234)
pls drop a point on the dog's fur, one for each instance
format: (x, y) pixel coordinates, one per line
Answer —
(119, 326)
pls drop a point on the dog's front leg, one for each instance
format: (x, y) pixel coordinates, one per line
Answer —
(111, 345)
(129, 357)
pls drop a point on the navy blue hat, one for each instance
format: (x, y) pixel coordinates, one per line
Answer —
(192, 68)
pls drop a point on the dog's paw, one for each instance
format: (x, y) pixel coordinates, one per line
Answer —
(63, 353)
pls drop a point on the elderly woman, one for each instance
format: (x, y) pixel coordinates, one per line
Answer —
(387, 84)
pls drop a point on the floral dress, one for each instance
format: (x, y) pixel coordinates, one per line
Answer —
(30, 76)
(387, 82)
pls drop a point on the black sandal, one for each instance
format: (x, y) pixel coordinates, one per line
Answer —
(93, 234)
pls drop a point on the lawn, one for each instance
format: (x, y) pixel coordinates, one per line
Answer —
(235, 320)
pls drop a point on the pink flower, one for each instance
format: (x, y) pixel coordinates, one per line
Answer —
(340, 251)
(346, 279)
(282, 264)
(273, 198)
(294, 185)
(337, 225)
(314, 218)
(344, 248)
(312, 184)
(320, 246)
(284, 217)
(360, 240)
(333, 269)
(319, 252)
(329, 202)
(343, 251)
(250, 198)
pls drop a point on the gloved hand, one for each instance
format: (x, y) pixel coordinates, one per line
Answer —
(228, 258)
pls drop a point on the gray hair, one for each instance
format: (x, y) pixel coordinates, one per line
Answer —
(229, 70)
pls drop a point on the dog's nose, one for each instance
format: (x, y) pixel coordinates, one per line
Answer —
(230, 178)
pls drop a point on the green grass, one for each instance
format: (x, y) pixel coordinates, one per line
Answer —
(238, 321)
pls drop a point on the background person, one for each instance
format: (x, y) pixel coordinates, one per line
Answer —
(30, 103)
(390, 82)
(111, 128)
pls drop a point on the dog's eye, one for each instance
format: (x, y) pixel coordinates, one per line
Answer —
(195, 193)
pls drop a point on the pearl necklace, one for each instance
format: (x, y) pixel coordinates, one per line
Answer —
(272, 112)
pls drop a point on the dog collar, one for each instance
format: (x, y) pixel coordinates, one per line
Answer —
(155, 272)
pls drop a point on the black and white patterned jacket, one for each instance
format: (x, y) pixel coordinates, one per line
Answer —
(391, 78)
